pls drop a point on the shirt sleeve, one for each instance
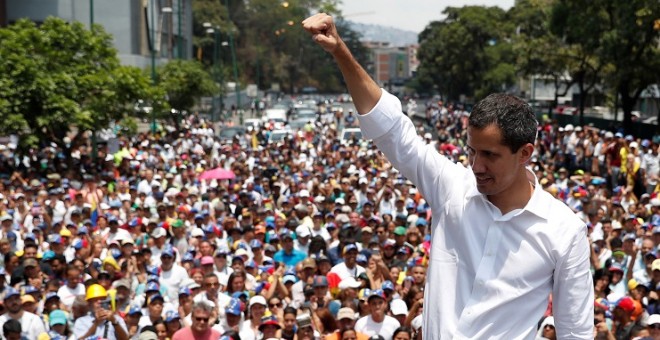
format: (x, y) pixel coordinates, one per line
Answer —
(573, 293)
(80, 327)
(396, 136)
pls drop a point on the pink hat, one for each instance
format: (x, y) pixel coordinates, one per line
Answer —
(206, 260)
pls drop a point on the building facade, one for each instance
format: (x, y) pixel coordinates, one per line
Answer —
(134, 24)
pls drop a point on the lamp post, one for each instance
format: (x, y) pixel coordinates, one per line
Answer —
(234, 66)
(217, 66)
(154, 48)
(153, 64)
(95, 151)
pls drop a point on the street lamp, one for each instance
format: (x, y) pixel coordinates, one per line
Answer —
(233, 61)
(216, 72)
(153, 48)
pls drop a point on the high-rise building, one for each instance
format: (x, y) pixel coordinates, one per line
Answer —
(134, 24)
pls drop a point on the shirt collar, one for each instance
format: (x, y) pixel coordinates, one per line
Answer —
(534, 205)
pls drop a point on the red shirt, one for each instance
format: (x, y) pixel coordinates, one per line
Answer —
(187, 334)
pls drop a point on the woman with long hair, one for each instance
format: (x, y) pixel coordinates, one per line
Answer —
(328, 323)
(236, 282)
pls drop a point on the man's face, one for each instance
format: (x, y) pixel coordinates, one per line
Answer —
(350, 257)
(30, 253)
(200, 321)
(287, 244)
(13, 304)
(166, 262)
(377, 306)
(306, 333)
(73, 277)
(494, 166)
(211, 284)
(419, 274)
(233, 320)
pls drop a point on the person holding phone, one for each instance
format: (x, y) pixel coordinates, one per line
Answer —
(101, 319)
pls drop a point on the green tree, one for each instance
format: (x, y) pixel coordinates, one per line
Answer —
(61, 78)
(184, 82)
(468, 53)
(620, 37)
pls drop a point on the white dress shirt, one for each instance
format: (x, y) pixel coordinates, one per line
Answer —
(491, 274)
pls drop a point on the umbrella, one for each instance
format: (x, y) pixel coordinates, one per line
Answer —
(217, 173)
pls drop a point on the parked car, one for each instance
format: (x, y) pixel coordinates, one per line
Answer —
(227, 134)
(277, 136)
(350, 134)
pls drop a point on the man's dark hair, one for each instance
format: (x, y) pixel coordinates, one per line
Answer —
(11, 326)
(512, 116)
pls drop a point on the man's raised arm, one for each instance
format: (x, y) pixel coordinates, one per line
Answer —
(363, 89)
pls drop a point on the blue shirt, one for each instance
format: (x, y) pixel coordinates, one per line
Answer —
(290, 260)
(83, 324)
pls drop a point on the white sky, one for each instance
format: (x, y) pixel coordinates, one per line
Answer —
(412, 15)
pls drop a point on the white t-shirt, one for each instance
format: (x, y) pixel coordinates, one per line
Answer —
(67, 295)
(344, 272)
(386, 329)
(31, 325)
(172, 281)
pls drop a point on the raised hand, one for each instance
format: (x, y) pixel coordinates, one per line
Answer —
(323, 30)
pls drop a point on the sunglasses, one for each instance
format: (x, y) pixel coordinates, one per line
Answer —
(655, 326)
(202, 319)
(273, 305)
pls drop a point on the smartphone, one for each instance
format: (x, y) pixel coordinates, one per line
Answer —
(105, 304)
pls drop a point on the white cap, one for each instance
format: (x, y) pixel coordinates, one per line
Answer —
(349, 282)
(362, 180)
(340, 201)
(427, 136)
(258, 300)
(158, 232)
(398, 307)
(197, 232)
(303, 193)
(303, 231)
(653, 319)
(634, 145)
(417, 322)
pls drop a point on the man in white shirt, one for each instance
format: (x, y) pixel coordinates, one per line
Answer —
(500, 244)
(171, 275)
(377, 322)
(348, 268)
(31, 324)
(73, 287)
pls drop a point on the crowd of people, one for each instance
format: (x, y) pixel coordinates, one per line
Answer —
(307, 238)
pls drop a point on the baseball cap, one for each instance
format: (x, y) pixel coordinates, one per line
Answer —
(309, 263)
(398, 307)
(289, 279)
(258, 300)
(387, 285)
(134, 309)
(256, 244)
(155, 297)
(377, 293)
(349, 247)
(57, 317)
(30, 263)
(626, 303)
(152, 287)
(171, 315)
(346, 313)
(158, 232)
(655, 265)
(617, 267)
(233, 307)
(349, 282)
(185, 291)
(206, 260)
(11, 291)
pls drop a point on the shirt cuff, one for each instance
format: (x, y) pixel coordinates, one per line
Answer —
(382, 117)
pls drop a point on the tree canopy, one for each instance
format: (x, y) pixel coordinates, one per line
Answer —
(61, 77)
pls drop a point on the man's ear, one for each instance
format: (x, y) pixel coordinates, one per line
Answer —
(526, 152)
